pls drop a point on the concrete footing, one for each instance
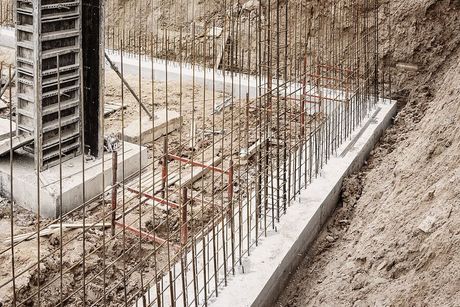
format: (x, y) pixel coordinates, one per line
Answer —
(267, 270)
(25, 192)
(152, 129)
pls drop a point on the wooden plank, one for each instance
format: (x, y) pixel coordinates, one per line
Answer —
(188, 179)
(29, 236)
(115, 69)
(51, 229)
(246, 153)
(112, 107)
(80, 225)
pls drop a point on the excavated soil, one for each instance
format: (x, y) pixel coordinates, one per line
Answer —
(395, 238)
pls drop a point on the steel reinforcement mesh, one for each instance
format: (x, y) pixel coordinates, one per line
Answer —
(236, 107)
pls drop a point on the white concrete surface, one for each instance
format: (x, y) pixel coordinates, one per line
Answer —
(25, 191)
(152, 129)
(7, 37)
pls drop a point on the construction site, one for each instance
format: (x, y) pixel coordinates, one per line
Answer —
(229, 153)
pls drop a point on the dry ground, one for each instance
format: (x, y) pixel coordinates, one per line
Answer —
(395, 239)
(197, 103)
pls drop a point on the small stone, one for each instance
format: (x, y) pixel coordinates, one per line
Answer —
(382, 265)
(429, 196)
(427, 224)
(359, 281)
(330, 239)
(359, 303)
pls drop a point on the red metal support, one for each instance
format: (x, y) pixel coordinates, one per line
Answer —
(155, 198)
(312, 96)
(297, 99)
(230, 185)
(346, 69)
(195, 163)
(326, 78)
(184, 223)
(145, 235)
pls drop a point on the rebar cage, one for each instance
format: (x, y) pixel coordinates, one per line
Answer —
(238, 106)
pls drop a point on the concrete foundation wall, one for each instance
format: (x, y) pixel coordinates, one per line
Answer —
(271, 264)
(222, 81)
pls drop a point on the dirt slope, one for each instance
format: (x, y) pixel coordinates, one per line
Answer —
(395, 240)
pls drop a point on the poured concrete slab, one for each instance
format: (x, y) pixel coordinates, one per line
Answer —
(25, 191)
(152, 129)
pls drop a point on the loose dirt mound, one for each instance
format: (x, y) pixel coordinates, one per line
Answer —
(395, 240)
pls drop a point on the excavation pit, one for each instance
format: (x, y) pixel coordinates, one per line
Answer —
(25, 192)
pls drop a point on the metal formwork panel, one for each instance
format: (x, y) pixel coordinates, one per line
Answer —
(49, 77)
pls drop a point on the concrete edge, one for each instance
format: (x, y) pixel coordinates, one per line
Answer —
(290, 263)
(25, 184)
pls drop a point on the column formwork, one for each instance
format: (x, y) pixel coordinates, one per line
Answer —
(51, 88)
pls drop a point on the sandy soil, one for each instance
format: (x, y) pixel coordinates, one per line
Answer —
(195, 102)
(395, 239)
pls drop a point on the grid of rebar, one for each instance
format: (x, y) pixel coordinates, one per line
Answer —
(6, 13)
(266, 92)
